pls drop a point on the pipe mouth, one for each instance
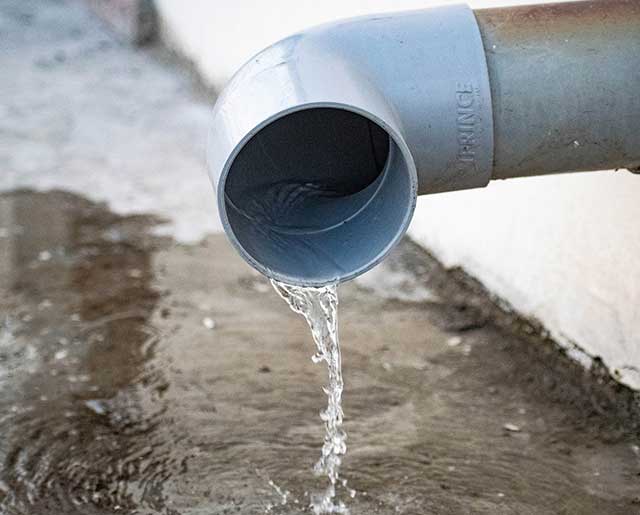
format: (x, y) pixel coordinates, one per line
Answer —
(318, 195)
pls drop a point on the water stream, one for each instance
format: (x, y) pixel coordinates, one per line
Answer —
(319, 306)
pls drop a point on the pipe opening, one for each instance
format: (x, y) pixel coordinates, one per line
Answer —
(317, 196)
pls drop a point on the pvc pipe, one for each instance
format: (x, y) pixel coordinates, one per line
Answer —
(321, 142)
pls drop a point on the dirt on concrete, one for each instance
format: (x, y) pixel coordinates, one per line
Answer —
(142, 376)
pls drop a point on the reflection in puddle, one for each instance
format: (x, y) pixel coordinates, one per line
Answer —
(75, 344)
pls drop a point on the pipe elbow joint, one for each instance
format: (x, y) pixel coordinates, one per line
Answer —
(321, 143)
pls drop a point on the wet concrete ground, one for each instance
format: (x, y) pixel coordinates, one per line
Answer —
(141, 376)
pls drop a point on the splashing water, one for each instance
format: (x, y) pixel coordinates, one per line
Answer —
(319, 306)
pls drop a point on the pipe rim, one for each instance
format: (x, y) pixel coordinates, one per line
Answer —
(395, 137)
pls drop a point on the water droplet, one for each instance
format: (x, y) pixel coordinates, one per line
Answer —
(45, 304)
(97, 406)
(454, 341)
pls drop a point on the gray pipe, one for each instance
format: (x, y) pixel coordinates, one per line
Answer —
(321, 142)
(565, 86)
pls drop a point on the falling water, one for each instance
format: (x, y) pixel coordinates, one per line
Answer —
(319, 306)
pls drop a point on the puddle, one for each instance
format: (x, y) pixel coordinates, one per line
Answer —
(140, 376)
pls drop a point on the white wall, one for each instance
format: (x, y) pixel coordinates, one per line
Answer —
(563, 249)
(218, 36)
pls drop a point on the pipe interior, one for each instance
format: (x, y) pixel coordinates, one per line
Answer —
(317, 195)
